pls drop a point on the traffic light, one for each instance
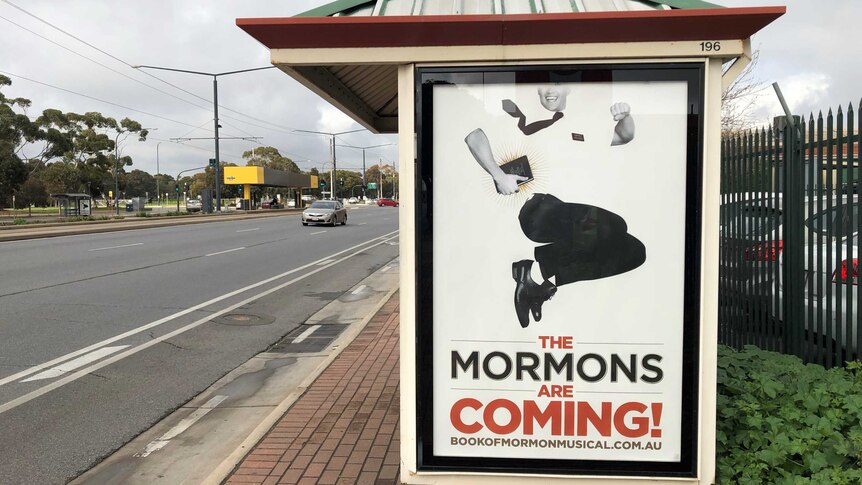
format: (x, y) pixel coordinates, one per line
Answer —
(322, 184)
(212, 163)
(177, 188)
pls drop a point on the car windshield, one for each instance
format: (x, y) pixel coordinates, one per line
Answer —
(323, 205)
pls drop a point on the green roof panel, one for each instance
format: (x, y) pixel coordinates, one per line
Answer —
(468, 7)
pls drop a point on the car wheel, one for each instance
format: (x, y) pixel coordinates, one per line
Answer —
(334, 221)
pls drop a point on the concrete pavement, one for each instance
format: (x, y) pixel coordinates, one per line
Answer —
(344, 429)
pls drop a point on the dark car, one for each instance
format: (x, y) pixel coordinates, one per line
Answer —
(387, 202)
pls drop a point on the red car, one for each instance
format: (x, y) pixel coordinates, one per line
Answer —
(387, 202)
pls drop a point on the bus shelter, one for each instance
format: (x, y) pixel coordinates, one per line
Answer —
(74, 205)
(559, 246)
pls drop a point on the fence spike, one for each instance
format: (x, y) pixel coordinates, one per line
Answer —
(820, 115)
(839, 109)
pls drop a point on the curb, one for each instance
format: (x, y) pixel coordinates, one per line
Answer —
(96, 227)
(223, 471)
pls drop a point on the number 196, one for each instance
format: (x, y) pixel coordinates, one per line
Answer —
(710, 46)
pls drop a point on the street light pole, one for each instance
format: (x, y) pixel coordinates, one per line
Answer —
(363, 160)
(117, 172)
(215, 76)
(332, 137)
(218, 160)
(158, 192)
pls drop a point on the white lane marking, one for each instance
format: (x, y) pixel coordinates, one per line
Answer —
(358, 290)
(163, 440)
(318, 232)
(304, 335)
(362, 223)
(385, 269)
(325, 262)
(74, 364)
(117, 247)
(71, 355)
(134, 350)
(249, 230)
(228, 251)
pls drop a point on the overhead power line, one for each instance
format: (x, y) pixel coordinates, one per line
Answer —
(88, 44)
(95, 99)
(103, 65)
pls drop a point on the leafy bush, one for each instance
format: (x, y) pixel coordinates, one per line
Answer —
(781, 421)
(19, 221)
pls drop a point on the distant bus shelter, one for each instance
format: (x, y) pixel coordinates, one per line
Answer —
(73, 205)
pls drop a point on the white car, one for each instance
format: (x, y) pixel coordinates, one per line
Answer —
(352, 200)
(193, 205)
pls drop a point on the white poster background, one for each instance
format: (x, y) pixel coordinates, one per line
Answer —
(477, 237)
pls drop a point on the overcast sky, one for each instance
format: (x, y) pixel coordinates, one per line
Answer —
(810, 51)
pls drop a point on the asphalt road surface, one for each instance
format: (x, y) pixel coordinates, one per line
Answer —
(103, 335)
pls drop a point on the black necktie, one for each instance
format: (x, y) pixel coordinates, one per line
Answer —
(512, 109)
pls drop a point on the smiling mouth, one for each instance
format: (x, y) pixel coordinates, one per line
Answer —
(551, 99)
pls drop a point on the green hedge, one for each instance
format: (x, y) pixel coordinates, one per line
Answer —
(781, 421)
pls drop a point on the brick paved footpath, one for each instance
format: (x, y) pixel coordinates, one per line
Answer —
(344, 428)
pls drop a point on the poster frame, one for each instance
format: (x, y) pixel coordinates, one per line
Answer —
(693, 73)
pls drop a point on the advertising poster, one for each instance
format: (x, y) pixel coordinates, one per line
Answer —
(558, 222)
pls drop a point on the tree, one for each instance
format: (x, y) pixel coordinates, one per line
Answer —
(32, 192)
(166, 183)
(349, 183)
(139, 184)
(60, 177)
(14, 129)
(738, 101)
(269, 157)
(384, 176)
(13, 173)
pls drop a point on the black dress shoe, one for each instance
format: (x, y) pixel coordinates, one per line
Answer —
(529, 295)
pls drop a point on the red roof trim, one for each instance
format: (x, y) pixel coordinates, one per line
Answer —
(461, 30)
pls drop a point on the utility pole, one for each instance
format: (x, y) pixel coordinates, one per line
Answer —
(363, 161)
(215, 113)
(332, 144)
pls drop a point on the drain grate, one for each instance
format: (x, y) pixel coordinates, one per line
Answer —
(315, 342)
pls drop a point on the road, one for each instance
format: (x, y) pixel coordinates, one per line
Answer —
(105, 334)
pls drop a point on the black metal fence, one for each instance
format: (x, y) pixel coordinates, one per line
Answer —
(790, 218)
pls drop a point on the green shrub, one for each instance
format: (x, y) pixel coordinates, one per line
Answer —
(781, 421)
(19, 221)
